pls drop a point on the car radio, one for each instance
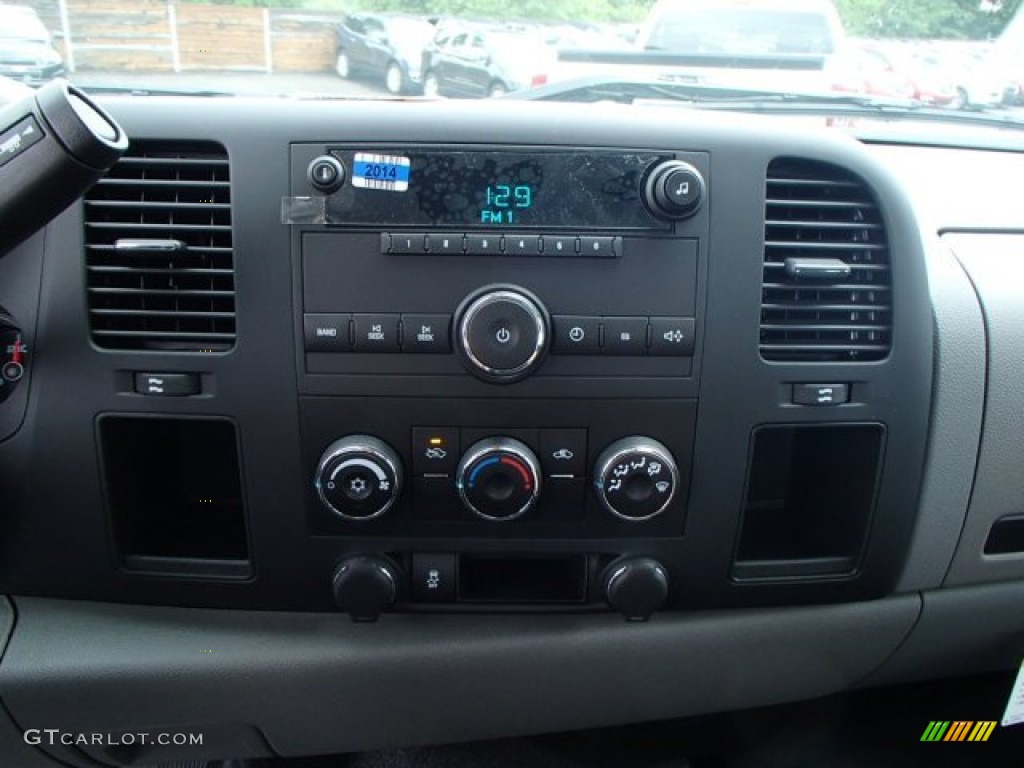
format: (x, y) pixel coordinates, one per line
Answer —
(497, 344)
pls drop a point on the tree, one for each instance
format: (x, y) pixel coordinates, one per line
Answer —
(952, 19)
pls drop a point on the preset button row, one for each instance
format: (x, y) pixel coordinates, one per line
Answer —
(499, 244)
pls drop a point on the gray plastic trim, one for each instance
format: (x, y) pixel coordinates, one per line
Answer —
(995, 264)
(318, 683)
(968, 630)
(958, 402)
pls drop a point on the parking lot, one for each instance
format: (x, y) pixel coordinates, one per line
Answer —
(303, 85)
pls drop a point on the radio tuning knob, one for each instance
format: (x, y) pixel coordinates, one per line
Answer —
(674, 190)
(636, 478)
(365, 586)
(359, 477)
(502, 334)
(636, 587)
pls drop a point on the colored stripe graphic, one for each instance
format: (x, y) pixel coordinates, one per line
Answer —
(935, 730)
(982, 730)
(958, 731)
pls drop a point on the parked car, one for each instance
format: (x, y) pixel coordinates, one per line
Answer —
(479, 60)
(774, 44)
(870, 71)
(384, 46)
(26, 47)
(981, 81)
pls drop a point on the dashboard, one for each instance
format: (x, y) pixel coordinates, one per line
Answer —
(634, 413)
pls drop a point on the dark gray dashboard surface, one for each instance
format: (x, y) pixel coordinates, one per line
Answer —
(319, 683)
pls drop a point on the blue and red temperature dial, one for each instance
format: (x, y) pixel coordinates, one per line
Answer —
(499, 478)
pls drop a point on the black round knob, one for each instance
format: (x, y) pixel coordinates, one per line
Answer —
(326, 173)
(503, 333)
(498, 478)
(365, 586)
(636, 478)
(359, 477)
(674, 190)
(636, 587)
(12, 355)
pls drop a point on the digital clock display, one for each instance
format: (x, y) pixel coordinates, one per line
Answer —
(461, 190)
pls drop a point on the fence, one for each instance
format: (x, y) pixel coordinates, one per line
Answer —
(155, 35)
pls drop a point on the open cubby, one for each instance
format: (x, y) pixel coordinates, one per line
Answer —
(809, 499)
(174, 491)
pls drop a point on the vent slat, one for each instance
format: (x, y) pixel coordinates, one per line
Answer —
(193, 249)
(806, 326)
(127, 226)
(158, 292)
(174, 162)
(157, 313)
(859, 267)
(816, 209)
(166, 335)
(824, 225)
(180, 301)
(113, 181)
(822, 204)
(142, 270)
(840, 288)
(167, 205)
(824, 245)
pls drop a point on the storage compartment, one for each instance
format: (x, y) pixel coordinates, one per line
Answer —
(1006, 537)
(492, 579)
(174, 492)
(810, 494)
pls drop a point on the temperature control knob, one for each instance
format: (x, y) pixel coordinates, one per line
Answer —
(359, 477)
(12, 355)
(499, 478)
(674, 190)
(636, 478)
(503, 334)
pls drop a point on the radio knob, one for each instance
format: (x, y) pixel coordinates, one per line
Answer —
(674, 190)
(636, 478)
(365, 586)
(503, 333)
(359, 477)
(498, 478)
(636, 587)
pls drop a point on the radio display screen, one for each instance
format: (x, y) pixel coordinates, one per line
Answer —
(494, 189)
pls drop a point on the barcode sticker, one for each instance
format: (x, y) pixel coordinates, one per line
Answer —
(387, 172)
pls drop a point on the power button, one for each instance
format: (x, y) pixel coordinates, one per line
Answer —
(326, 173)
(502, 335)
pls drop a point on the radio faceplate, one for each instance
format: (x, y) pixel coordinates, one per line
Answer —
(521, 331)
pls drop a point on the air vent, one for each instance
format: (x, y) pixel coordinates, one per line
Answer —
(827, 292)
(158, 250)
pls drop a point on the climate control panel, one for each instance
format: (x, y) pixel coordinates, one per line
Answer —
(580, 479)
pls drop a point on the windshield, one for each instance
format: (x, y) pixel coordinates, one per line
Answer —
(726, 29)
(950, 59)
(21, 23)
